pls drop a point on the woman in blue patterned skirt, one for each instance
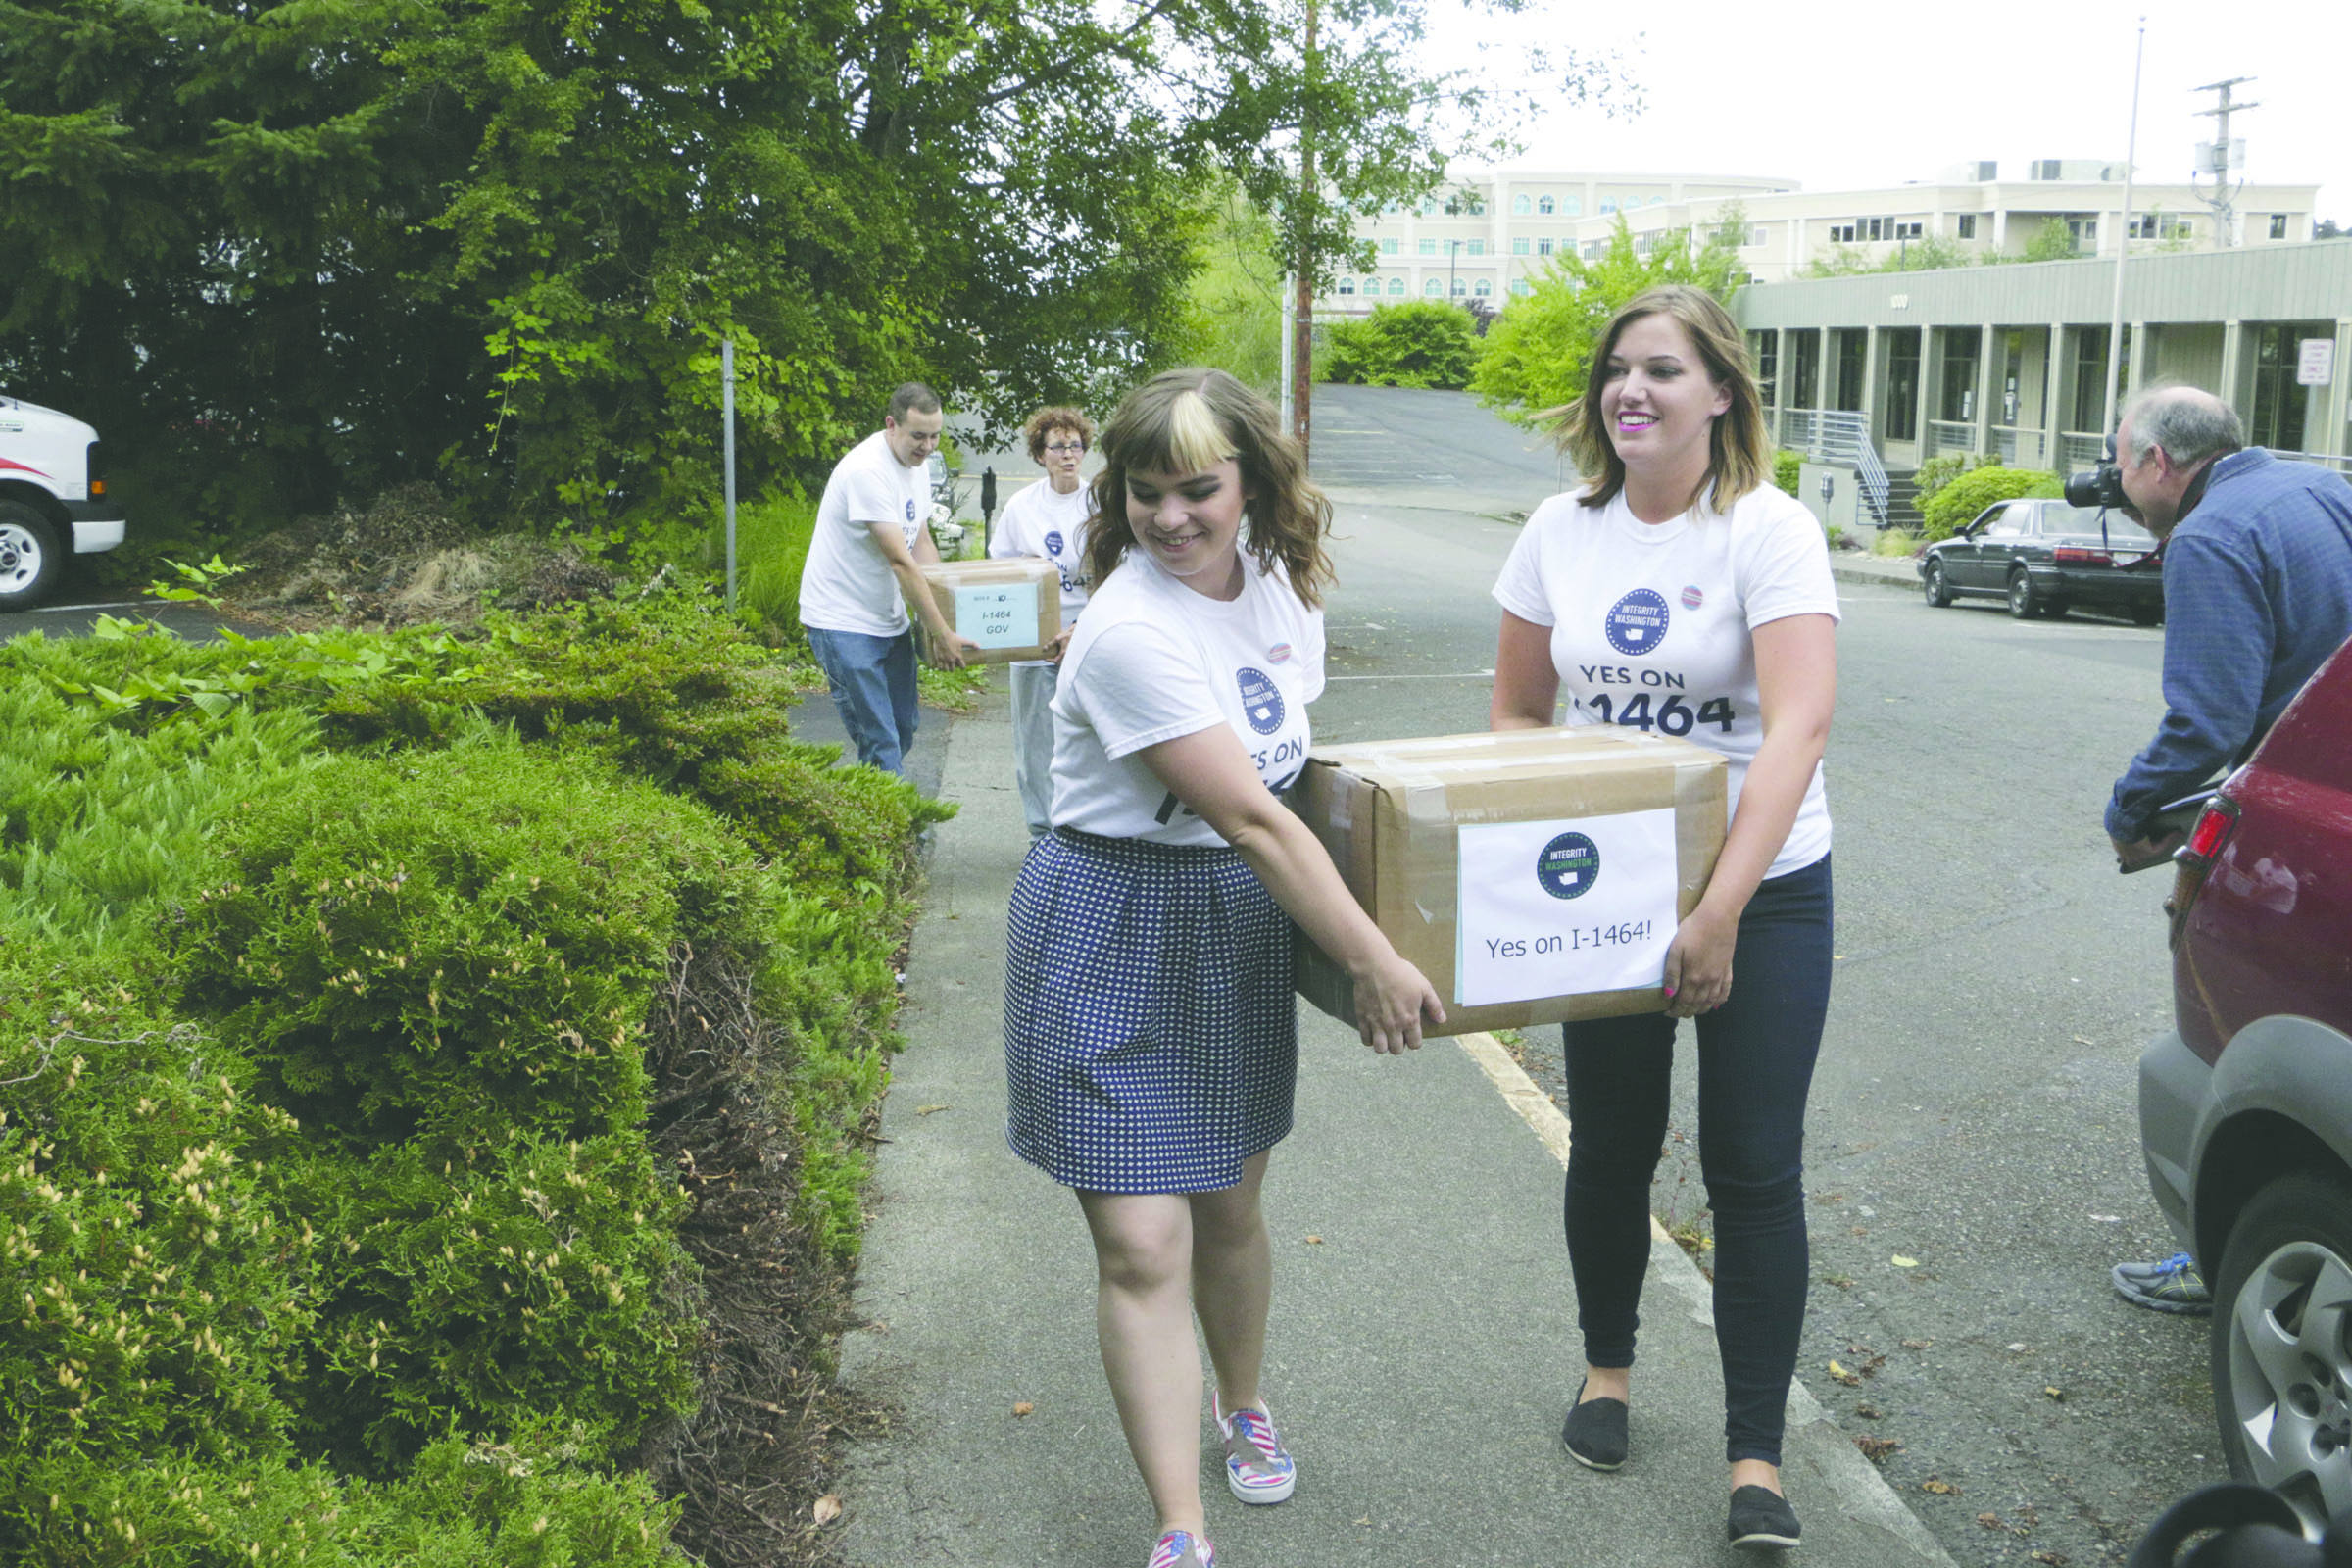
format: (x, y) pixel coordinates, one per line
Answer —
(1151, 1030)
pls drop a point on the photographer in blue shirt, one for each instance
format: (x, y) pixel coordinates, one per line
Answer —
(2257, 595)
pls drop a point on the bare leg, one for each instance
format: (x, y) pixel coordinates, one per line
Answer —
(1233, 1283)
(1144, 1318)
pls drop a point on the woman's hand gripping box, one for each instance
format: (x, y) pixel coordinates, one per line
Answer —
(1533, 875)
(1011, 607)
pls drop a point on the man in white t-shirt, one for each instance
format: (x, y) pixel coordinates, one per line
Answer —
(864, 567)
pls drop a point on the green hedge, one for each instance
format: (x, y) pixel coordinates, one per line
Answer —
(1421, 343)
(452, 1112)
(1952, 507)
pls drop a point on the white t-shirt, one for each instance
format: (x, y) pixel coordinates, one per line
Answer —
(1650, 622)
(1153, 660)
(845, 583)
(1041, 521)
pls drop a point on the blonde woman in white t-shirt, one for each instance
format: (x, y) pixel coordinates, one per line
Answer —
(1151, 1026)
(1679, 592)
(1047, 522)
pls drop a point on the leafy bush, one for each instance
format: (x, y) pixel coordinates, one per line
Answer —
(1961, 500)
(771, 545)
(1942, 469)
(1421, 343)
(1787, 466)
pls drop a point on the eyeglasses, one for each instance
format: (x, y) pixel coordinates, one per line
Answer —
(1067, 448)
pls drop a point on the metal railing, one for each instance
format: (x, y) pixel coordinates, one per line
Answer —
(1949, 436)
(2018, 446)
(1836, 435)
(2077, 450)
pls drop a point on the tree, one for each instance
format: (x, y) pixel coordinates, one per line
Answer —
(1925, 254)
(1536, 354)
(1235, 312)
(1419, 343)
(2053, 241)
(285, 251)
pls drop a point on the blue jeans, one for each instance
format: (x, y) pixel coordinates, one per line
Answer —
(872, 681)
(1756, 1066)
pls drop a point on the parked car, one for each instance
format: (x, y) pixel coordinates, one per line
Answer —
(2246, 1106)
(2045, 556)
(52, 500)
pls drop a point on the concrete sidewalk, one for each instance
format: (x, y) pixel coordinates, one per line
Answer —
(1423, 1348)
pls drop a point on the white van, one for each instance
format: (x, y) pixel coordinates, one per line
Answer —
(49, 501)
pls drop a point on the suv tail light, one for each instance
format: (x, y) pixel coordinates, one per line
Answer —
(2080, 555)
(2195, 860)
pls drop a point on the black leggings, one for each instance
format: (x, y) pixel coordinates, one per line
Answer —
(1755, 1064)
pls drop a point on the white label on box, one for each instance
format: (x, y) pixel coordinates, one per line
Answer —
(998, 614)
(1559, 909)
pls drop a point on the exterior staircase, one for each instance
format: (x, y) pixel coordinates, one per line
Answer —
(1902, 500)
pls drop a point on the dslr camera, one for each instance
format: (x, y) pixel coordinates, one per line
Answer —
(2102, 486)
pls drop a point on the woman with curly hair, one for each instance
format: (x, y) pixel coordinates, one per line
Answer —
(1046, 520)
(1151, 1028)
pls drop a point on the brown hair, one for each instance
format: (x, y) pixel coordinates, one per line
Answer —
(1739, 454)
(1187, 421)
(912, 397)
(1048, 419)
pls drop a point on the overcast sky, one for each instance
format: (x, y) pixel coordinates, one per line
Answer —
(1839, 95)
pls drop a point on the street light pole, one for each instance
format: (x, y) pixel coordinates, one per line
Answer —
(1453, 248)
(1302, 326)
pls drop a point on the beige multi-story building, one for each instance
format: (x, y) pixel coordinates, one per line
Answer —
(1489, 236)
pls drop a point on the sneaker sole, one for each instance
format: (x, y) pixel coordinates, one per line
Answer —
(1258, 1496)
(1764, 1540)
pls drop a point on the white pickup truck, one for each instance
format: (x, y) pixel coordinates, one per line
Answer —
(50, 500)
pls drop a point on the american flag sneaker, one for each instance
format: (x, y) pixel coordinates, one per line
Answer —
(1257, 1467)
(1181, 1549)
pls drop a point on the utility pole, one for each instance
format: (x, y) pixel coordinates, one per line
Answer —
(1302, 326)
(2123, 244)
(726, 377)
(2220, 156)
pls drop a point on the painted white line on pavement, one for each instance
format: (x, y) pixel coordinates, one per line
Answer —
(1534, 1105)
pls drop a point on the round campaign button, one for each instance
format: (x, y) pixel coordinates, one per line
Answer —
(1260, 701)
(1053, 541)
(1568, 865)
(1637, 623)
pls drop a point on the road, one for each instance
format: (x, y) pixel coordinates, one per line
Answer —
(1974, 1111)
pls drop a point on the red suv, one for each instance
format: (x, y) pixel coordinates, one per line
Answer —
(2245, 1108)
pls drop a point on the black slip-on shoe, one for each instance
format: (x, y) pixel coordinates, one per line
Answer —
(1596, 1432)
(1762, 1520)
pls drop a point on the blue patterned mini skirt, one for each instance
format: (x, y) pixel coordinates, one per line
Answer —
(1151, 1030)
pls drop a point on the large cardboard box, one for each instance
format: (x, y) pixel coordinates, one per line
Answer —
(1011, 608)
(1533, 875)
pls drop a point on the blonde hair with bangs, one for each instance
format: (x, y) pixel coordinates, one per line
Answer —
(1185, 421)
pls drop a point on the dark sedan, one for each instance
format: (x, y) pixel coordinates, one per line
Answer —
(2044, 558)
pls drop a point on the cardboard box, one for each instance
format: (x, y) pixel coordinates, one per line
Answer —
(1011, 608)
(1533, 875)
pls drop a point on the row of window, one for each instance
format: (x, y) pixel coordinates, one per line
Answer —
(1521, 245)
(1877, 228)
(1434, 287)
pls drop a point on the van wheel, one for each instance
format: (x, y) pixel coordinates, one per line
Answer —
(31, 562)
(2281, 1360)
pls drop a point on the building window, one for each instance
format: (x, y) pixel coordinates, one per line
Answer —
(2278, 226)
(2280, 405)
(1902, 384)
(1608, 205)
(1346, 285)
(1544, 245)
(2086, 231)
(1462, 286)
(1519, 245)
(1433, 288)
(1853, 349)
(1544, 206)
(1429, 247)
(2091, 377)
(1909, 231)
(1764, 348)
(1957, 400)
(1521, 288)
(1595, 249)
(1388, 246)
(1396, 287)
(2162, 226)
(1481, 288)
(1572, 206)
(1478, 247)
(1521, 205)
(1842, 233)
(1968, 225)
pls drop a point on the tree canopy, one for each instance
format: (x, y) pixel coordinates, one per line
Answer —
(285, 251)
(1537, 352)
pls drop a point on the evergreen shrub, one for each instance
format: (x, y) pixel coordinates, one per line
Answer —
(1958, 503)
